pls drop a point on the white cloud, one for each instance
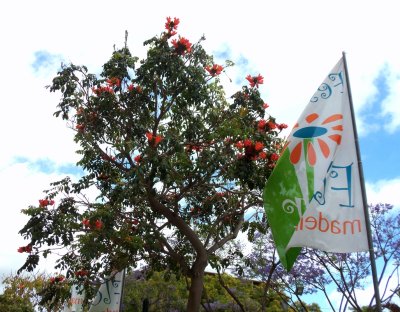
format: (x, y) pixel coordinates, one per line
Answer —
(384, 191)
(365, 295)
(391, 105)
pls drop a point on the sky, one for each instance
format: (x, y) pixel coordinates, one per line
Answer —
(292, 44)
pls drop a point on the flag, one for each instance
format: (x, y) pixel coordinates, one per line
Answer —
(313, 197)
(109, 295)
(75, 303)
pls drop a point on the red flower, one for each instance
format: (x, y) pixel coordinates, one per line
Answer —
(45, 202)
(98, 224)
(153, 139)
(274, 157)
(262, 155)
(135, 221)
(247, 143)
(80, 127)
(157, 139)
(98, 91)
(193, 147)
(80, 111)
(86, 222)
(215, 70)
(239, 144)
(261, 124)
(258, 146)
(132, 88)
(114, 82)
(282, 126)
(271, 125)
(265, 105)
(182, 46)
(255, 80)
(138, 158)
(149, 136)
(107, 157)
(81, 273)
(171, 26)
(56, 279)
(27, 248)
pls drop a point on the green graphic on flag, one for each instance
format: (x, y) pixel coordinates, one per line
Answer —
(282, 184)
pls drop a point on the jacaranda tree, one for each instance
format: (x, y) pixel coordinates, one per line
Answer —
(177, 166)
(318, 271)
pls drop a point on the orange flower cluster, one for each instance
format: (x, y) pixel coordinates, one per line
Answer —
(56, 279)
(132, 88)
(214, 70)
(255, 80)
(171, 26)
(98, 224)
(113, 82)
(252, 150)
(45, 202)
(27, 248)
(100, 90)
(182, 46)
(154, 140)
(138, 158)
(81, 273)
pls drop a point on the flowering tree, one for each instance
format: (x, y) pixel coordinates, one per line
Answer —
(174, 162)
(315, 270)
(263, 264)
(25, 292)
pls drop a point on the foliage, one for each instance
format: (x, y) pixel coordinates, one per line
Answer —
(167, 293)
(175, 165)
(27, 292)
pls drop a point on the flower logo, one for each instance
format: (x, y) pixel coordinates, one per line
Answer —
(315, 135)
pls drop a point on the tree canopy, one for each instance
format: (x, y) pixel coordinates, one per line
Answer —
(174, 168)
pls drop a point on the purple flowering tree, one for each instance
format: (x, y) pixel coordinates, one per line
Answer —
(307, 275)
(317, 271)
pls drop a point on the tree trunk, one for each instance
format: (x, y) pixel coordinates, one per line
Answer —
(196, 285)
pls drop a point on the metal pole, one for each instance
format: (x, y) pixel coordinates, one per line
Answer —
(364, 193)
(122, 291)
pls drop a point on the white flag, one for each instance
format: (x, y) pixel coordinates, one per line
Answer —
(313, 197)
(75, 303)
(108, 297)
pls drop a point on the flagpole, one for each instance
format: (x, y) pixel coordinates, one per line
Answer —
(363, 193)
(122, 291)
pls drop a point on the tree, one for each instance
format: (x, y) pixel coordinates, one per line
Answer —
(166, 293)
(263, 264)
(175, 164)
(348, 272)
(23, 293)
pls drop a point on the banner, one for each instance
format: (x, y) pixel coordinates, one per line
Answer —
(75, 303)
(313, 197)
(109, 295)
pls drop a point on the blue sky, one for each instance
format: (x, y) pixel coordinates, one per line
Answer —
(293, 44)
(379, 148)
